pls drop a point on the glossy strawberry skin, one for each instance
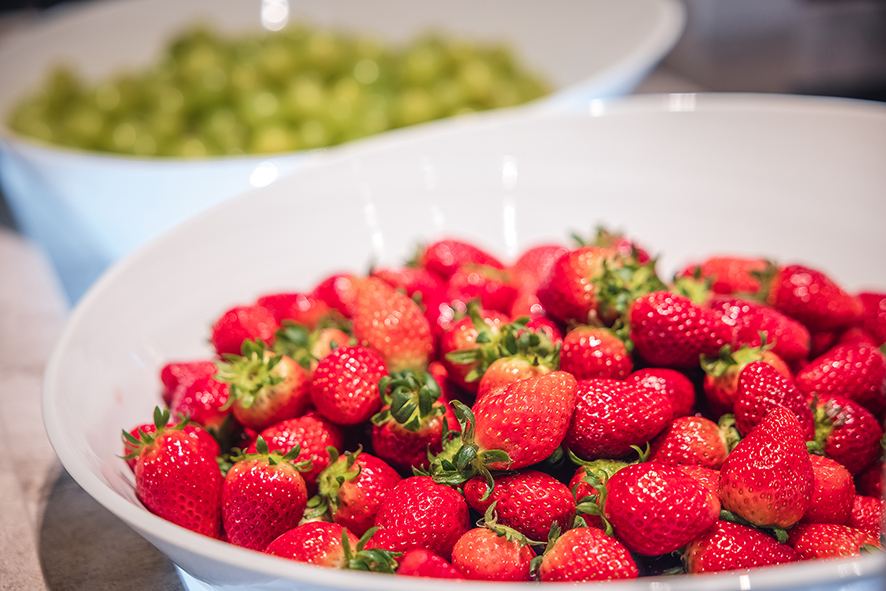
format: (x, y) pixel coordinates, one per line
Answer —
(670, 382)
(482, 555)
(419, 562)
(203, 400)
(762, 387)
(568, 292)
(261, 501)
(404, 449)
(730, 546)
(813, 298)
(873, 316)
(199, 435)
(787, 337)
(274, 403)
(315, 542)
(345, 385)
(392, 324)
(507, 370)
(851, 435)
(338, 291)
(612, 415)
(490, 285)
(530, 502)
(419, 513)
(527, 419)
(176, 372)
(587, 554)
(854, 371)
(767, 478)
(728, 274)
(358, 499)
(869, 481)
(444, 257)
(461, 336)
(534, 264)
(833, 492)
(414, 281)
(867, 514)
(669, 330)
(655, 508)
(176, 479)
(689, 440)
(296, 307)
(240, 323)
(828, 540)
(721, 391)
(593, 352)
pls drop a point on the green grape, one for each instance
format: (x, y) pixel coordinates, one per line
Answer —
(305, 96)
(83, 125)
(415, 105)
(274, 138)
(314, 134)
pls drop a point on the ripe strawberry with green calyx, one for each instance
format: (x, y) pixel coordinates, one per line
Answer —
(528, 501)
(569, 291)
(344, 388)
(690, 440)
(133, 441)
(595, 352)
(867, 514)
(333, 546)
(618, 241)
(205, 401)
(811, 297)
(493, 552)
(351, 489)
(265, 388)
(670, 382)
(854, 370)
(409, 428)
(729, 274)
(620, 283)
(177, 372)
(419, 562)
(762, 387)
(299, 308)
(263, 496)
(831, 540)
(467, 340)
(242, 323)
(847, 432)
(833, 492)
(752, 320)
(585, 554)
(176, 477)
(767, 479)
(588, 486)
(731, 546)
(339, 291)
(510, 428)
(307, 347)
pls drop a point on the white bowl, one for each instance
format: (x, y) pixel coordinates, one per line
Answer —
(798, 179)
(88, 209)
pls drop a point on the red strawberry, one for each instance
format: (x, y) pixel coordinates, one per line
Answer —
(507, 370)
(240, 323)
(204, 400)
(314, 434)
(392, 324)
(833, 493)
(767, 479)
(265, 388)
(730, 546)
(586, 554)
(689, 440)
(873, 316)
(670, 330)
(351, 489)
(829, 540)
(529, 502)
(526, 304)
(593, 352)
(655, 508)
(444, 257)
(707, 477)
(568, 292)
(410, 426)
(728, 274)
(533, 265)
(174, 373)
(854, 371)
(307, 347)
(419, 284)
(419, 562)
(493, 553)
(611, 416)
(470, 334)
(867, 514)
(786, 337)
(201, 436)
(762, 387)
(299, 308)
(490, 285)
(670, 382)
(589, 501)
(813, 298)
(263, 496)
(338, 291)
(847, 432)
(721, 381)
(869, 481)
(345, 385)
(315, 542)
(419, 513)
(177, 478)
(621, 244)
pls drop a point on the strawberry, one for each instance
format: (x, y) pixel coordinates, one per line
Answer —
(722, 374)
(829, 540)
(670, 382)
(854, 371)
(351, 489)
(813, 298)
(392, 324)
(419, 284)
(493, 553)
(533, 265)
(338, 291)
(299, 308)
(787, 338)
(419, 513)
(409, 428)
(707, 477)
(242, 323)
(526, 304)
(730, 546)
(593, 352)
(491, 286)
(444, 257)
(265, 388)
(177, 477)
(331, 545)
(177, 372)
(728, 274)
(471, 333)
(507, 370)
(867, 514)
(869, 481)
(833, 492)
(148, 430)
(529, 501)
(590, 501)
(655, 508)
(569, 292)
(767, 479)
(314, 434)
(345, 385)
(873, 315)
(307, 347)
(263, 496)
(586, 554)
(762, 387)
(419, 562)
(204, 400)
(670, 330)
(847, 432)
(611, 416)
(620, 243)
(689, 440)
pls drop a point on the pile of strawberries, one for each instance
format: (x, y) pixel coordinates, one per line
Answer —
(568, 417)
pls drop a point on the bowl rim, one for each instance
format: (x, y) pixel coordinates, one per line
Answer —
(142, 520)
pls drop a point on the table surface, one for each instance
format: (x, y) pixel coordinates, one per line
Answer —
(52, 534)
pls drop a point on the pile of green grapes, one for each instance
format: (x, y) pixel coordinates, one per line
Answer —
(300, 88)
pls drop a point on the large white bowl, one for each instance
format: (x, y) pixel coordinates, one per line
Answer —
(797, 179)
(88, 210)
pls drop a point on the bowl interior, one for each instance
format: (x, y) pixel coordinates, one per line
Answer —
(796, 179)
